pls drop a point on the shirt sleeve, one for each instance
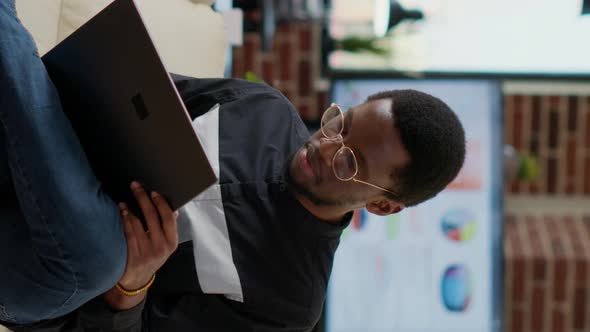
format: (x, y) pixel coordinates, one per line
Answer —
(96, 315)
(200, 94)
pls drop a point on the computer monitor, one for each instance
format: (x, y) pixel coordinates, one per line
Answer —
(501, 38)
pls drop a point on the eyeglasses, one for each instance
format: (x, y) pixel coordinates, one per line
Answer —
(344, 163)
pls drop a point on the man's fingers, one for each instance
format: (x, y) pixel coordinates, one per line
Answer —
(169, 225)
(171, 230)
(122, 206)
(132, 245)
(149, 212)
(136, 227)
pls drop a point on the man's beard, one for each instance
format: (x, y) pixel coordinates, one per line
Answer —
(305, 192)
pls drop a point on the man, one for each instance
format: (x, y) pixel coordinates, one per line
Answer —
(257, 248)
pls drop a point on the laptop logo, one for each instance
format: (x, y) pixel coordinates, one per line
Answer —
(140, 107)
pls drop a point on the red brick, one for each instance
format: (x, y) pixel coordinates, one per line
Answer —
(536, 114)
(579, 309)
(531, 225)
(539, 267)
(578, 247)
(534, 144)
(581, 271)
(558, 321)
(251, 51)
(508, 110)
(511, 233)
(518, 101)
(553, 129)
(304, 38)
(552, 226)
(253, 15)
(537, 307)
(303, 109)
(571, 157)
(554, 102)
(557, 246)
(518, 280)
(551, 175)
(268, 69)
(570, 188)
(286, 60)
(284, 29)
(572, 113)
(323, 102)
(304, 80)
(588, 129)
(515, 187)
(536, 246)
(517, 245)
(517, 321)
(533, 188)
(560, 273)
(238, 62)
(533, 231)
(555, 231)
(587, 175)
(574, 238)
(282, 33)
(517, 123)
(569, 224)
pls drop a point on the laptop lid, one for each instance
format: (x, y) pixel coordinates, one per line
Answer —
(126, 110)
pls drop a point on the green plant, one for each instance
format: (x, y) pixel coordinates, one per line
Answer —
(529, 168)
(355, 44)
(251, 76)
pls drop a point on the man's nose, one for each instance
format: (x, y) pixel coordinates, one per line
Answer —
(328, 147)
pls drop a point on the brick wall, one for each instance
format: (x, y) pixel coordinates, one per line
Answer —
(556, 129)
(293, 66)
(547, 273)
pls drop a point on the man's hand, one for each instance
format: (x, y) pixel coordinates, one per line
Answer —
(147, 250)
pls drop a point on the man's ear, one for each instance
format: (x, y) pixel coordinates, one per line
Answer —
(384, 207)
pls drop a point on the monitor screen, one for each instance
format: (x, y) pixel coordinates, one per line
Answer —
(435, 267)
(500, 37)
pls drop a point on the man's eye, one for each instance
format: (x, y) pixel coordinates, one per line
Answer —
(351, 163)
(344, 130)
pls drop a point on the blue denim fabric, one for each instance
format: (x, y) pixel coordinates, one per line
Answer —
(61, 240)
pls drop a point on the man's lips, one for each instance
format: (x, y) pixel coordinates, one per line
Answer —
(306, 164)
(310, 162)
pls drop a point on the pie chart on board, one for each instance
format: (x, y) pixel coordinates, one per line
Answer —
(456, 288)
(459, 225)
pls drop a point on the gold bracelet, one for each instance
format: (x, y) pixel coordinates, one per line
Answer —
(137, 291)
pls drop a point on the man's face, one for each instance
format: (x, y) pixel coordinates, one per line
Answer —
(369, 132)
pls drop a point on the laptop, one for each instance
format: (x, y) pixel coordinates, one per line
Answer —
(125, 109)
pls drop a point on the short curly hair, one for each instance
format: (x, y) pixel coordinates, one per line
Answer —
(434, 139)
